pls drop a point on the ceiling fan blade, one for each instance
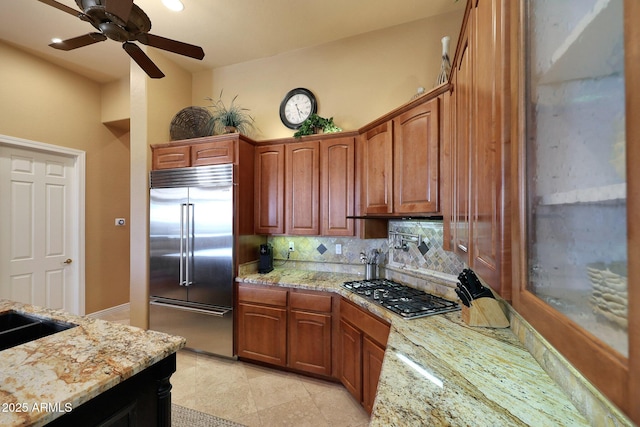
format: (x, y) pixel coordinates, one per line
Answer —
(119, 8)
(80, 41)
(61, 7)
(142, 60)
(171, 45)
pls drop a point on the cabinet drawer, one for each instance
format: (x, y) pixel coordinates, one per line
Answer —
(266, 296)
(171, 157)
(212, 153)
(310, 302)
(372, 326)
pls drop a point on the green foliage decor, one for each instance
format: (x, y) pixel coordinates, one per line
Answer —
(316, 124)
(223, 117)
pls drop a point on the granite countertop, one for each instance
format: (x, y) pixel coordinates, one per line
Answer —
(439, 371)
(61, 371)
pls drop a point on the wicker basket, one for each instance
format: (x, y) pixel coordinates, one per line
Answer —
(609, 295)
(190, 122)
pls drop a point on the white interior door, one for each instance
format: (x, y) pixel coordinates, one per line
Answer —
(39, 253)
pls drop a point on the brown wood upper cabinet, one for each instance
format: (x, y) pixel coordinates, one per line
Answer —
(377, 169)
(194, 152)
(337, 186)
(480, 152)
(400, 171)
(576, 221)
(306, 188)
(302, 183)
(416, 140)
(269, 187)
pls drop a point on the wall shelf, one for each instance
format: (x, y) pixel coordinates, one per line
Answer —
(585, 53)
(605, 193)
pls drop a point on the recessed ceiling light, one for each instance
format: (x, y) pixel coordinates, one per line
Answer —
(56, 40)
(175, 5)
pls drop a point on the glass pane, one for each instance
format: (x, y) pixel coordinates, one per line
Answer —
(577, 236)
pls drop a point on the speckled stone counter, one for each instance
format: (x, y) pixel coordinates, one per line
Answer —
(43, 379)
(438, 371)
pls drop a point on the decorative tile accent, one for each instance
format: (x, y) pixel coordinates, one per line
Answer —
(423, 248)
(434, 258)
(427, 257)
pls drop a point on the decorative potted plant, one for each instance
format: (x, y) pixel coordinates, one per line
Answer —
(229, 119)
(316, 124)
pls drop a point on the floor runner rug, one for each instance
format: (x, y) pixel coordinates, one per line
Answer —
(185, 417)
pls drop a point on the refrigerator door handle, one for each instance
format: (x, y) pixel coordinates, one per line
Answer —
(190, 244)
(181, 280)
(217, 313)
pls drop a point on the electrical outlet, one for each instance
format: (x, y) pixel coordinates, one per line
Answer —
(291, 247)
(338, 249)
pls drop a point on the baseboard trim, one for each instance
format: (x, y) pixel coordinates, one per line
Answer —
(109, 311)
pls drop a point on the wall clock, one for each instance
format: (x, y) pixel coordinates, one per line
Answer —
(298, 104)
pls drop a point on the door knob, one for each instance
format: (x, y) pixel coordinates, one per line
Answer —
(68, 261)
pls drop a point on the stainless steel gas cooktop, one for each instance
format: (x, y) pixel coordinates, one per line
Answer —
(403, 300)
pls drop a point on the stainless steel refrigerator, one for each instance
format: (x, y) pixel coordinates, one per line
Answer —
(191, 256)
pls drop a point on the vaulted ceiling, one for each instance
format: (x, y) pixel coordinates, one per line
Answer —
(228, 31)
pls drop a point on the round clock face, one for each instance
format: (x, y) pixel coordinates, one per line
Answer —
(296, 107)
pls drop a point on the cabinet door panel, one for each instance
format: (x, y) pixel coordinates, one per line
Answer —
(416, 159)
(171, 157)
(337, 187)
(213, 153)
(350, 369)
(490, 153)
(320, 302)
(263, 295)
(372, 356)
(269, 176)
(310, 342)
(377, 172)
(303, 186)
(461, 175)
(262, 333)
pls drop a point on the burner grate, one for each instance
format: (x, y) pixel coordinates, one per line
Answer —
(403, 300)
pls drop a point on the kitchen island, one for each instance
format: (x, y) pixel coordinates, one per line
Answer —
(97, 372)
(439, 371)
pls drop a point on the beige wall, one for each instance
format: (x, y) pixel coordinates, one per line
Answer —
(355, 80)
(45, 103)
(154, 102)
(166, 96)
(115, 103)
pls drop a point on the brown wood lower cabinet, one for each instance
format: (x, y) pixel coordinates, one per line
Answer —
(262, 324)
(363, 339)
(350, 371)
(307, 332)
(310, 332)
(372, 356)
(286, 327)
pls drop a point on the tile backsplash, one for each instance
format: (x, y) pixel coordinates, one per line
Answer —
(343, 253)
(435, 258)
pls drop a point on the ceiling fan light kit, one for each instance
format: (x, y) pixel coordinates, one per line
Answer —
(124, 22)
(175, 5)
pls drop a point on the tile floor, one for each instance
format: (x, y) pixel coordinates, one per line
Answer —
(257, 396)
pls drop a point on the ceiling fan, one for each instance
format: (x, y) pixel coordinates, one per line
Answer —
(124, 22)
